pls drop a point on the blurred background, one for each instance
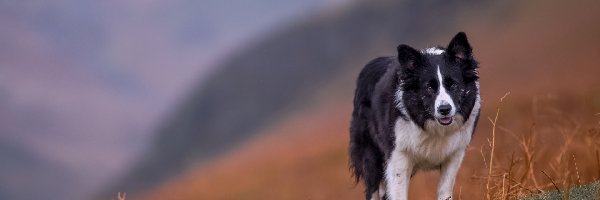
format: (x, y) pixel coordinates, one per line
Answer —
(252, 99)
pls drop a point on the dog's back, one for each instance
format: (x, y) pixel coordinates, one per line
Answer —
(366, 156)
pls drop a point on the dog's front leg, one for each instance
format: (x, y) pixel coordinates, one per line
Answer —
(448, 175)
(397, 175)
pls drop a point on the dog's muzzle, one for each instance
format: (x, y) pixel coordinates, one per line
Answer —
(445, 117)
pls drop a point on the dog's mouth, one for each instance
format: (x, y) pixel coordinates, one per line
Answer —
(445, 120)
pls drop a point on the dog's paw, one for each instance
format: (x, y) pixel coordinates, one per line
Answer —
(446, 198)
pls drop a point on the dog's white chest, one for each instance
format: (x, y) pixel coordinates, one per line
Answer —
(429, 149)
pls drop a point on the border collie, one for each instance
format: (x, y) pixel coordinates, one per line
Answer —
(416, 111)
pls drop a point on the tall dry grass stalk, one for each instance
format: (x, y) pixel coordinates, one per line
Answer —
(493, 146)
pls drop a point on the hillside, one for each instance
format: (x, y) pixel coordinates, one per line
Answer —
(85, 84)
(548, 62)
(276, 76)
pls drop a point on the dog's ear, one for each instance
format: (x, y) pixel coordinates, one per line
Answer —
(409, 57)
(460, 48)
(460, 51)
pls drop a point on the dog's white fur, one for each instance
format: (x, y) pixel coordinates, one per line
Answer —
(436, 146)
(443, 97)
(433, 51)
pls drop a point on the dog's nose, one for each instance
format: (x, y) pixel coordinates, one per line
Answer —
(444, 109)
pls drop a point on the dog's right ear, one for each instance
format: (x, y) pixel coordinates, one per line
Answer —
(409, 57)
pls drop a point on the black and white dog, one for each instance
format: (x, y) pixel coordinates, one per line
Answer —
(416, 111)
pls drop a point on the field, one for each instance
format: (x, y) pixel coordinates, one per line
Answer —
(539, 129)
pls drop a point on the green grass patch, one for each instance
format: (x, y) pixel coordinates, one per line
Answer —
(580, 192)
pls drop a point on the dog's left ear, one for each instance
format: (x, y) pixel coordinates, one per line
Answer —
(460, 48)
(460, 51)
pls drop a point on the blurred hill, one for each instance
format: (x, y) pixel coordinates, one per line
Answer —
(281, 74)
(83, 84)
(29, 168)
(548, 62)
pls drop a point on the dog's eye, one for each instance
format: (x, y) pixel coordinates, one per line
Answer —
(451, 84)
(431, 87)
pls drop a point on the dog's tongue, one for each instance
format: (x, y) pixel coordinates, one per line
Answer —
(446, 120)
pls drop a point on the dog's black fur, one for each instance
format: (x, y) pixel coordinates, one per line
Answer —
(369, 150)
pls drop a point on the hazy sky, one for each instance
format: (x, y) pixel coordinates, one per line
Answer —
(84, 83)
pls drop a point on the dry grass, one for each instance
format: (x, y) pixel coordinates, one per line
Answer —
(492, 147)
(536, 167)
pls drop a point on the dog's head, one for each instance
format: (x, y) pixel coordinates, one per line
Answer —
(438, 86)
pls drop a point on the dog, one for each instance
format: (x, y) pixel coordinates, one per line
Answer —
(414, 111)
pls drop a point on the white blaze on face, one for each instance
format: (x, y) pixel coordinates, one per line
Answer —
(443, 98)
